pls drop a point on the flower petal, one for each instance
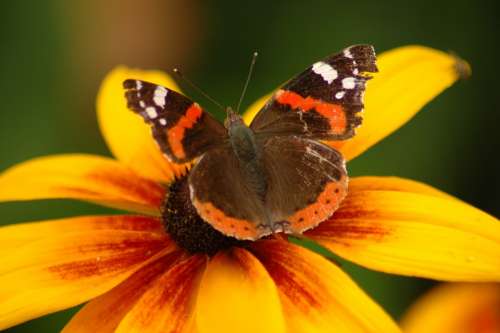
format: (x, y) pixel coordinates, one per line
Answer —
(167, 306)
(237, 295)
(409, 78)
(316, 295)
(83, 177)
(105, 313)
(67, 268)
(16, 235)
(126, 134)
(409, 231)
(253, 109)
(374, 183)
(465, 308)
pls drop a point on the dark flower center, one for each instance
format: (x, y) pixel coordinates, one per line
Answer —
(186, 227)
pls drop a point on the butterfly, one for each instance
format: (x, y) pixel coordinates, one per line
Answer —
(277, 174)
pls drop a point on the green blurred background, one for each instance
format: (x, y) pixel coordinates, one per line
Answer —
(54, 54)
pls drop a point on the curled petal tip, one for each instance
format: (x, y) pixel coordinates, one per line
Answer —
(462, 67)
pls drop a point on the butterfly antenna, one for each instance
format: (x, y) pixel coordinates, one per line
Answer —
(250, 71)
(195, 87)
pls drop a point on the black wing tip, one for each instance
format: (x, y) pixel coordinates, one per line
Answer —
(133, 101)
(130, 84)
(136, 84)
(133, 89)
(364, 55)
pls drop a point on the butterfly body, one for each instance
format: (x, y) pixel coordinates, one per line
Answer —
(277, 174)
(242, 140)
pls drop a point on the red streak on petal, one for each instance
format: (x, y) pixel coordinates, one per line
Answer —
(173, 295)
(107, 311)
(128, 222)
(245, 261)
(342, 230)
(485, 320)
(116, 257)
(146, 191)
(294, 278)
(180, 284)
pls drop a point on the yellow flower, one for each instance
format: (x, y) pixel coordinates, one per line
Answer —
(138, 279)
(457, 308)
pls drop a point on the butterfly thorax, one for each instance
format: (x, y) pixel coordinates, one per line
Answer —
(248, 152)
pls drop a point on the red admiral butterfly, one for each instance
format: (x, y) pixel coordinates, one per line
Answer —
(274, 175)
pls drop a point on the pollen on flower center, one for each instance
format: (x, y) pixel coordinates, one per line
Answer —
(186, 227)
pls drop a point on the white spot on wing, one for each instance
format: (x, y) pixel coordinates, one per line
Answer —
(138, 84)
(327, 72)
(151, 112)
(159, 96)
(142, 104)
(355, 71)
(340, 94)
(348, 54)
(349, 83)
(163, 121)
(191, 192)
(301, 117)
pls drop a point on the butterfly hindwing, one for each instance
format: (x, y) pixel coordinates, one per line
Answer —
(180, 127)
(300, 184)
(306, 181)
(227, 196)
(324, 101)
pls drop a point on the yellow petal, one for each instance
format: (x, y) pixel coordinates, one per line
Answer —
(237, 295)
(255, 108)
(105, 313)
(416, 233)
(126, 134)
(167, 306)
(374, 183)
(464, 308)
(317, 296)
(14, 236)
(409, 78)
(66, 268)
(83, 177)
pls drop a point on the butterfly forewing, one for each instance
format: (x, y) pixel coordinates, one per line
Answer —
(324, 101)
(180, 127)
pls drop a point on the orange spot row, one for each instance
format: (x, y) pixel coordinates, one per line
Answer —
(333, 112)
(177, 132)
(325, 205)
(230, 226)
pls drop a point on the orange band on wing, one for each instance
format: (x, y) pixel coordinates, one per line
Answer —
(229, 226)
(177, 132)
(326, 204)
(333, 112)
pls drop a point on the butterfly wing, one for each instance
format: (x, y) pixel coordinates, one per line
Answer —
(301, 184)
(324, 101)
(227, 196)
(180, 127)
(306, 181)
